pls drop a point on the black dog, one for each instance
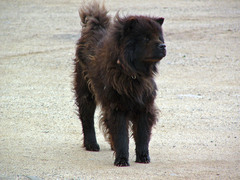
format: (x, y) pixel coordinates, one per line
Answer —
(114, 66)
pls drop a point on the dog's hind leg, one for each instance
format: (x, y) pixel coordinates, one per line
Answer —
(86, 107)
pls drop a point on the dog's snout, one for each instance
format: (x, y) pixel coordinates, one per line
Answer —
(161, 46)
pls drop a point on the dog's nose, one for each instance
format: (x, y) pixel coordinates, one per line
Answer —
(162, 46)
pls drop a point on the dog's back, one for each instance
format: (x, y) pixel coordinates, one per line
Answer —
(95, 22)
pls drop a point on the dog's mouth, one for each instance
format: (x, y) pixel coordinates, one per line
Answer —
(152, 60)
(156, 58)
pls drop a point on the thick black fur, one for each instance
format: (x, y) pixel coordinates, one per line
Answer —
(114, 66)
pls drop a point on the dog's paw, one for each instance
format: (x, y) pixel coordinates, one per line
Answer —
(92, 147)
(143, 158)
(121, 162)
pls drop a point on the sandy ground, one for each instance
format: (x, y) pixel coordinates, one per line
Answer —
(198, 133)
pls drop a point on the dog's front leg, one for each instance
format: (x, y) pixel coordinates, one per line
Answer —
(142, 127)
(118, 129)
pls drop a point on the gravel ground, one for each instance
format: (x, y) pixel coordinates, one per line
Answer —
(198, 133)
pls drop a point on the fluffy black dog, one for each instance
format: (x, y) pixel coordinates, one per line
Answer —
(114, 66)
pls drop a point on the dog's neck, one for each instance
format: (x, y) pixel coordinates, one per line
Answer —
(119, 63)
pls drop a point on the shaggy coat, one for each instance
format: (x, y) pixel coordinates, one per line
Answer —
(114, 67)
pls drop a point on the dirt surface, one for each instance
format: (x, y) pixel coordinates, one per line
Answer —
(198, 133)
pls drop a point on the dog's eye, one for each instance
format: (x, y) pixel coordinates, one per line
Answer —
(146, 39)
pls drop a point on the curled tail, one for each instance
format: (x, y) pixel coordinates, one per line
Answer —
(94, 15)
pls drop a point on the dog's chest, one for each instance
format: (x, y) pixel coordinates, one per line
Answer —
(129, 93)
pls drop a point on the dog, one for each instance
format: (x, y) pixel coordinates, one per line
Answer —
(115, 63)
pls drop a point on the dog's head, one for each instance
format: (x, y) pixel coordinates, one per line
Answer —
(141, 43)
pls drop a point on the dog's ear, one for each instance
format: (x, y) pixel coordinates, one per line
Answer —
(129, 25)
(159, 20)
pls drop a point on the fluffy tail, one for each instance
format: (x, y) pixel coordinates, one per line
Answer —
(94, 16)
